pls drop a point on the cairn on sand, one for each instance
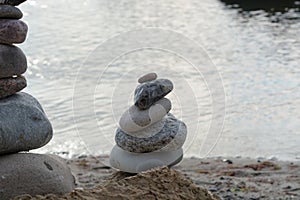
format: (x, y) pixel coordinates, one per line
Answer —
(148, 135)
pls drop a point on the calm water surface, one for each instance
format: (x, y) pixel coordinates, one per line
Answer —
(256, 54)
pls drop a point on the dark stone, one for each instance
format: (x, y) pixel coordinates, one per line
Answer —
(146, 94)
(24, 125)
(10, 12)
(11, 2)
(10, 86)
(12, 31)
(12, 61)
(156, 142)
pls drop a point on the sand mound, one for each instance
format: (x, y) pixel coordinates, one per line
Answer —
(160, 183)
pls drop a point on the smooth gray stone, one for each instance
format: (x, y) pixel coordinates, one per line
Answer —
(23, 125)
(10, 86)
(165, 136)
(12, 31)
(11, 2)
(147, 77)
(34, 174)
(10, 12)
(146, 94)
(12, 61)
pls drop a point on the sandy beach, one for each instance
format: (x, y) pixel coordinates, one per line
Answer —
(228, 178)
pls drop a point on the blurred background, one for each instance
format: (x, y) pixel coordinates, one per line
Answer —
(254, 44)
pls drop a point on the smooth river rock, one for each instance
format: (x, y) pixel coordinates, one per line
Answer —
(10, 86)
(134, 119)
(147, 77)
(12, 31)
(139, 162)
(11, 2)
(10, 12)
(34, 174)
(12, 61)
(23, 125)
(166, 135)
(146, 94)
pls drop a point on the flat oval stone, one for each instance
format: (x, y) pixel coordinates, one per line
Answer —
(10, 12)
(139, 162)
(134, 119)
(10, 86)
(34, 174)
(146, 94)
(12, 31)
(23, 125)
(166, 135)
(147, 77)
(11, 2)
(12, 61)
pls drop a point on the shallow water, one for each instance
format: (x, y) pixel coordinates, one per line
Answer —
(256, 53)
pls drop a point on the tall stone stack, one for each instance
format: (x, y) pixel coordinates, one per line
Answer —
(148, 135)
(23, 123)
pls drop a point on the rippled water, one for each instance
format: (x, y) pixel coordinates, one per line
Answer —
(256, 53)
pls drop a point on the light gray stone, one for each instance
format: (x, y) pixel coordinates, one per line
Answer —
(23, 125)
(34, 174)
(134, 119)
(11, 2)
(147, 77)
(146, 94)
(12, 61)
(12, 31)
(10, 86)
(165, 136)
(10, 12)
(139, 162)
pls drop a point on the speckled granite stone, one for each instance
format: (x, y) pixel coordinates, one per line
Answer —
(166, 135)
(146, 94)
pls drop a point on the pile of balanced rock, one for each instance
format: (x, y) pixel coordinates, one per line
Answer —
(148, 135)
(23, 123)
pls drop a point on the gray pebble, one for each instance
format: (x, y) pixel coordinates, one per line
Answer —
(24, 125)
(148, 77)
(12, 31)
(12, 61)
(146, 94)
(10, 12)
(10, 86)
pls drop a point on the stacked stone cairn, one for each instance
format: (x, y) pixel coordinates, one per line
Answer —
(148, 135)
(23, 124)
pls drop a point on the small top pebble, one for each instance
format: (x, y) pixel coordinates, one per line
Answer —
(147, 77)
(11, 2)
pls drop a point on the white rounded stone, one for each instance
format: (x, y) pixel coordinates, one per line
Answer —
(138, 162)
(134, 119)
